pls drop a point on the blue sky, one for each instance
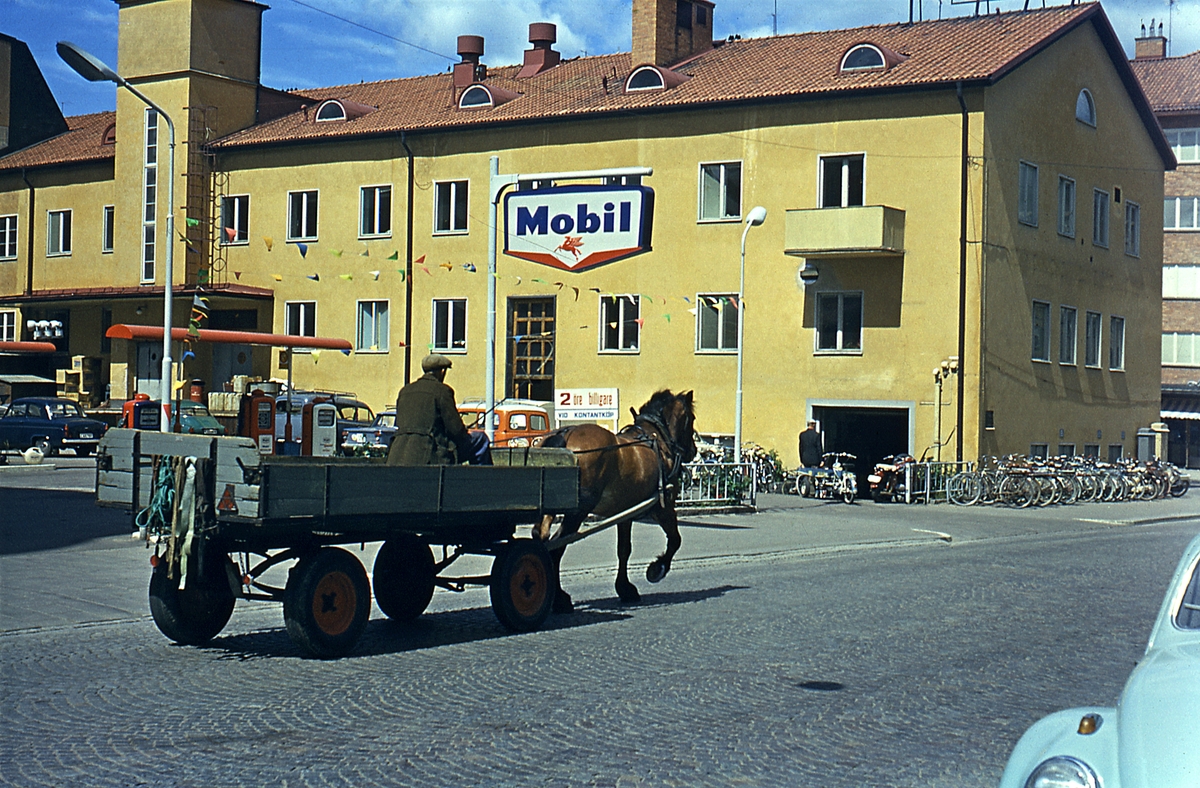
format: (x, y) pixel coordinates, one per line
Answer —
(305, 48)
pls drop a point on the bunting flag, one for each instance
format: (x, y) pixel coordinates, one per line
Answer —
(419, 260)
(447, 266)
(316, 355)
(187, 354)
(518, 280)
(576, 289)
(347, 277)
(202, 276)
(303, 249)
(314, 277)
(345, 351)
(394, 255)
(426, 270)
(693, 310)
(667, 316)
(269, 241)
(192, 222)
(374, 275)
(336, 252)
(537, 279)
(685, 298)
(641, 321)
(612, 324)
(594, 289)
(237, 274)
(402, 343)
(277, 277)
(469, 266)
(231, 234)
(401, 272)
(199, 314)
(648, 298)
(365, 253)
(559, 285)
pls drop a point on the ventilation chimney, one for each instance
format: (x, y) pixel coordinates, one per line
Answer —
(1150, 47)
(541, 58)
(668, 31)
(470, 70)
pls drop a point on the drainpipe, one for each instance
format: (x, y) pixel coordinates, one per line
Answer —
(408, 265)
(962, 275)
(29, 243)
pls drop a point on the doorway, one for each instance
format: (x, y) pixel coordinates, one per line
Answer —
(870, 434)
(531, 329)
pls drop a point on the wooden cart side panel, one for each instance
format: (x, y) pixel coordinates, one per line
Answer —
(467, 488)
(380, 489)
(116, 489)
(560, 489)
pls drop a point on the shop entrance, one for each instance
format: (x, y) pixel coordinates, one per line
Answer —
(870, 434)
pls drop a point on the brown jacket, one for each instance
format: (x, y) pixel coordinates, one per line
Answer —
(428, 426)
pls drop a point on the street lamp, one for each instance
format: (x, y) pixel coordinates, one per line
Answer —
(757, 216)
(944, 370)
(93, 69)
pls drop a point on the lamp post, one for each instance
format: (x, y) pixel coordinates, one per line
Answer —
(757, 216)
(93, 69)
(940, 373)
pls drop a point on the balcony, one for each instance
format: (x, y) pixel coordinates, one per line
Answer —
(862, 231)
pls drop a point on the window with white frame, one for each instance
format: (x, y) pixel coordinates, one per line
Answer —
(150, 197)
(302, 215)
(1038, 451)
(839, 322)
(1181, 281)
(1091, 345)
(1181, 213)
(620, 323)
(1066, 206)
(1041, 331)
(1085, 108)
(842, 181)
(108, 229)
(450, 206)
(1100, 218)
(1185, 143)
(372, 334)
(1133, 229)
(1091, 450)
(375, 212)
(721, 191)
(58, 232)
(1116, 342)
(300, 318)
(450, 325)
(1068, 319)
(1180, 349)
(716, 322)
(235, 219)
(8, 325)
(1027, 194)
(8, 237)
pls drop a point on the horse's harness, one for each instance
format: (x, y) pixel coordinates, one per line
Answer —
(666, 477)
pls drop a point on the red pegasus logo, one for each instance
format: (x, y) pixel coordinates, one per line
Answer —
(572, 244)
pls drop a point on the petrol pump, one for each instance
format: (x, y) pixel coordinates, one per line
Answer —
(319, 430)
(141, 413)
(257, 420)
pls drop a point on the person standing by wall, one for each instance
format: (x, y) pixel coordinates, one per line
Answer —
(811, 446)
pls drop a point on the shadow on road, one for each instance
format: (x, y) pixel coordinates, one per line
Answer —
(33, 520)
(432, 630)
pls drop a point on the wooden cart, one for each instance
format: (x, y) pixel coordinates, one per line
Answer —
(254, 512)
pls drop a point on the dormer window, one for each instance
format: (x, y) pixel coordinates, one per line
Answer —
(653, 78)
(109, 137)
(863, 57)
(331, 110)
(1085, 108)
(475, 96)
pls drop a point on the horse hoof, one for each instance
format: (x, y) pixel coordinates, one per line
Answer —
(656, 571)
(562, 603)
(628, 594)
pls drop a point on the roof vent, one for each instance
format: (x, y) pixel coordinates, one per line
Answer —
(470, 49)
(541, 58)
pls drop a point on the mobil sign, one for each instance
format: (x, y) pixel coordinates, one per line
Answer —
(578, 227)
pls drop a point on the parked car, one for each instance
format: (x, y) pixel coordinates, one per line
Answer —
(1151, 739)
(372, 440)
(516, 421)
(194, 418)
(351, 413)
(51, 424)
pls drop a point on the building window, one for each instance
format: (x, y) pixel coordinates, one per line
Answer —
(1181, 281)
(58, 233)
(721, 191)
(331, 110)
(1115, 452)
(862, 58)
(8, 325)
(839, 322)
(1068, 319)
(620, 323)
(716, 322)
(842, 181)
(150, 197)
(1133, 229)
(1181, 350)
(1091, 353)
(1100, 218)
(8, 237)
(372, 331)
(1085, 108)
(1038, 451)
(1066, 450)
(107, 229)
(450, 207)
(1185, 143)
(235, 219)
(1116, 343)
(1180, 213)
(1091, 450)
(450, 325)
(375, 218)
(300, 320)
(302, 216)
(1041, 331)
(1066, 206)
(1027, 197)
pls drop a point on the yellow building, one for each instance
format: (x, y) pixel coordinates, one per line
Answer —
(981, 191)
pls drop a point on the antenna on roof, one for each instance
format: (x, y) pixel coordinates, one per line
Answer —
(775, 17)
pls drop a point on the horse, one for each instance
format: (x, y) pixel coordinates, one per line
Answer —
(617, 472)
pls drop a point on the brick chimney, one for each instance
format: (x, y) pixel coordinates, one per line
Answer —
(542, 57)
(470, 70)
(668, 31)
(1150, 47)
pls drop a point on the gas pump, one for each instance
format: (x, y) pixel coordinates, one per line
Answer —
(257, 420)
(319, 430)
(141, 413)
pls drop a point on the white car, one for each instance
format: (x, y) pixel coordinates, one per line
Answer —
(1152, 738)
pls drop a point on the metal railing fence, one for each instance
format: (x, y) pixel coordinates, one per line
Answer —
(925, 482)
(713, 484)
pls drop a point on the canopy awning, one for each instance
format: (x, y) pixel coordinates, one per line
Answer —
(126, 331)
(1186, 408)
(33, 347)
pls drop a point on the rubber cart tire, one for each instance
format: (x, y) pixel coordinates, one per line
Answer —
(403, 577)
(523, 586)
(199, 611)
(805, 487)
(327, 602)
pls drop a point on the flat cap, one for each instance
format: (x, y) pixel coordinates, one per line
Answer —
(433, 362)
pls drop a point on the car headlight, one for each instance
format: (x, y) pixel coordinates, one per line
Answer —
(1062, 771)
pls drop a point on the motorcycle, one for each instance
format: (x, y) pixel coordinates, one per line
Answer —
(834, 478)
(887, 477)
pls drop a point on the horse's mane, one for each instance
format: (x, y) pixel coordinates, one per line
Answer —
(655, 406)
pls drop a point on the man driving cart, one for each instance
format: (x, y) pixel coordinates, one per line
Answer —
(429, 429)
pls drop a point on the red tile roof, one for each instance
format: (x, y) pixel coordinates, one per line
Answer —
(1172, 83)
(82, 143)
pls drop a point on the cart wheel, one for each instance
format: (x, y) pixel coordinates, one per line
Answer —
(522, 585)
(198, 612)
(403, 577)
(805, 488)
(327, 602)
(848, 495)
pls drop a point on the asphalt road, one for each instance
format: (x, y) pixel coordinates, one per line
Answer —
(809, 645)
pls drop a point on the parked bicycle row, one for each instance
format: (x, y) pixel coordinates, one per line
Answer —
(1022, 481)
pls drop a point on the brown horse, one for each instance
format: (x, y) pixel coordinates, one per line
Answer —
(617, 472)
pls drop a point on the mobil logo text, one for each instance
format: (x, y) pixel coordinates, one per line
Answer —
(578, 227)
